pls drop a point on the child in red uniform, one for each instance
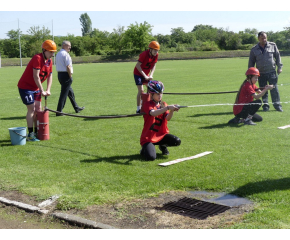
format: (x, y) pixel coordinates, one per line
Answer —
(155, 131)
(146, 64)
(245, 107)
(30, 84)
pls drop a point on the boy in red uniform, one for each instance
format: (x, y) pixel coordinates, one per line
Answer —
(30, 84)
(245, 107)
(146, 64)
(155, 131)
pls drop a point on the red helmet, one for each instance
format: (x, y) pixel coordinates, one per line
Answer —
(49, 45)
(253, 71)
(154, 45)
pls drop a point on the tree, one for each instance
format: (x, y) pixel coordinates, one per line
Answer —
(13, 34)
(39, 34)
(252, 31)
(202, 27)
(117, 39)
(86, 24)
(137, 37)
(36, 37)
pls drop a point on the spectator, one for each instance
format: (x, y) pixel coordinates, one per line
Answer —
(266, 56)
(65, 70)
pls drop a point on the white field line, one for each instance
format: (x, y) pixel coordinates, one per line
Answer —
(184, 159)
(287, 126)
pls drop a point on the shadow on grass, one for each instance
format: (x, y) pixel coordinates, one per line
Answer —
(212, 114)
(222, 125)
(262, 186)
(13, 118)
(64, 149)
(4, 143)
(117, 159)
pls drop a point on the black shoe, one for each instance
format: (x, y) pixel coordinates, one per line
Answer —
(138, 111)
(279, 109)
(79, 109)
(59, 114)
(266, 109)
(235, 120)
(164, 150)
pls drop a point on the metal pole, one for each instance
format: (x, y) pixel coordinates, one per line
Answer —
(53, 40)
(19, 44)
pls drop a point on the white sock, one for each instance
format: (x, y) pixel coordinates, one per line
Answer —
(138, 108)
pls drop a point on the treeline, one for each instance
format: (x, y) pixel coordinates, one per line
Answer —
(136, 38)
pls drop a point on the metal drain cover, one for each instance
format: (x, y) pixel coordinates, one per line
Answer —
(194, 208)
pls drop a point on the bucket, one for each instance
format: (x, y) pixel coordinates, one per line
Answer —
(18, 135)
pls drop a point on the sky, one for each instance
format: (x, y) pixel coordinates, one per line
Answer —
(62, 18)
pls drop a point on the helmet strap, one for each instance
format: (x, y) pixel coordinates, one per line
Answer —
(44, 54)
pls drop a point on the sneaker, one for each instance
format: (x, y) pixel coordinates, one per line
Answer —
(31, 137)
(164, 150)
(138, 111)
(249, 122)
(266, 109)
(235, 120)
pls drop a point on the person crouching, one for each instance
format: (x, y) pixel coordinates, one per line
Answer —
(245, 106)
(155, 130)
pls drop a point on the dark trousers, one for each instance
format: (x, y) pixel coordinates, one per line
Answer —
(66, 91)
(169, 140)
(251, 109)
(271, 79)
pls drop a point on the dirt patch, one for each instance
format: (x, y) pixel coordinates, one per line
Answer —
(141, 213)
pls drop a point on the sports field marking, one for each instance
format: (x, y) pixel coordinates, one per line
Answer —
(287, 126)
(184, 159)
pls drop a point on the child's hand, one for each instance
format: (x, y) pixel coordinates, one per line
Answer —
(173, 107)
(269, 87)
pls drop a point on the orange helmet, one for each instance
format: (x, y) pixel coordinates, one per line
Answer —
(154, 45)
(253, 71)
(49, 45)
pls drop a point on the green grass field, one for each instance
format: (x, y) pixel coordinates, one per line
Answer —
(90, 161)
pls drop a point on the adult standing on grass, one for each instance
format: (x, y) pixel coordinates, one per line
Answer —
(266, 56)
(30, 85)
(146, 65)
(155, 131)
(245, 107)
(65, 70)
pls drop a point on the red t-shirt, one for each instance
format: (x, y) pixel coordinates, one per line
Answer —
(246, 96)
(147, 61)
(155, 128)
(37, 62)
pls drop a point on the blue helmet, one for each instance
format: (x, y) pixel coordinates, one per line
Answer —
(155, 87)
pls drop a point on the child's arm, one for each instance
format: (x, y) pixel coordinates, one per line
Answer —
(152, 71)
(267, 87)
(171, 108)
(138, 66)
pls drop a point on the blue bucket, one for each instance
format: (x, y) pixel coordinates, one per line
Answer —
(18, 135)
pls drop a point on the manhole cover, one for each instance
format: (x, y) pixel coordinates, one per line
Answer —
(194, 208)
